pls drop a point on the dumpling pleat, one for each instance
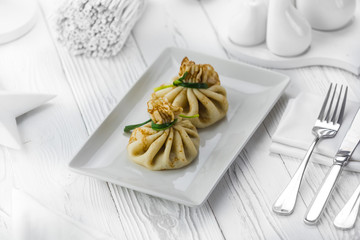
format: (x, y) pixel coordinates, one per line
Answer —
(211, 103)
(162, 156)
(169, 93)
(177, 157)
(181, 100)
(147, 147)
(190, 147)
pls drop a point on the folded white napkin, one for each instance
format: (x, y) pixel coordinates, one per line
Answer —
(293, 135)
(33, 221)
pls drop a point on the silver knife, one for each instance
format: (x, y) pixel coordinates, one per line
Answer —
(341, 159)
(347, 216)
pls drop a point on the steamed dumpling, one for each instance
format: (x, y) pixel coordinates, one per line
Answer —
(211, 103)
(172, 148)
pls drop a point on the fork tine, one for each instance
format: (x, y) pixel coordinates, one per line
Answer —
(336, 106)
(341, 115)
(327, 118)
(321, 114)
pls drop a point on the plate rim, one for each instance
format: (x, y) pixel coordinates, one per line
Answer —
(247, 53)
(284, 80)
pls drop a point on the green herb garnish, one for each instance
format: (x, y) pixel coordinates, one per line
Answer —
(193, 116)
(154, 126)
(193, 85)
(128, 128)
(163, 87)
(181, 79)
(160, 127)
(157, 127)
(180, 82)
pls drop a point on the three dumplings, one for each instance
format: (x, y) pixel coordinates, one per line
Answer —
(169, 140)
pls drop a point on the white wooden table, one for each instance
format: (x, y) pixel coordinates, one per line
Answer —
(87, 89)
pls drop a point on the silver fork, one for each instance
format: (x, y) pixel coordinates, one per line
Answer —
(326, 126)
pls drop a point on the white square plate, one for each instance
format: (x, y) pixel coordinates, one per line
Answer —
(252, 92)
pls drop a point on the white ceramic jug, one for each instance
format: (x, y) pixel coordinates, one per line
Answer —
(288, 32)
(248, 27)
(327, 14)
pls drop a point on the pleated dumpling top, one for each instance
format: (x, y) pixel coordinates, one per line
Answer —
(167, 142)
(197, 90)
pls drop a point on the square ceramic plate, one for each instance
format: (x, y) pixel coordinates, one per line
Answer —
(252, 92)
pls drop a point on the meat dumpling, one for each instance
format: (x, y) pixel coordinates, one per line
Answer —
(167, 142)
(198, 92)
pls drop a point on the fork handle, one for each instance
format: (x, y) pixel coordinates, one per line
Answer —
(319, 202)
(285, 203)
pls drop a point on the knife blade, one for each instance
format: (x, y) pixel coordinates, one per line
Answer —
(342, 157)
(351, 139)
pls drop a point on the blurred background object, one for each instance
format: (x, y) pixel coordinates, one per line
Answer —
(248, 27)
(97, 28)
(327, 14)
(17, 17)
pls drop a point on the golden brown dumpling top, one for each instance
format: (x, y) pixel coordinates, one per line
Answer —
(197, 73)
(159, 147)
(162, 111)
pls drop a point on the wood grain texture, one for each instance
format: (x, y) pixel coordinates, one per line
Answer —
(88, 89)
(252, 178)
(5, 193)
(314, 80)
(170, 31)
(180, 23)
(98, 84)
(51, 134)
(162, 219)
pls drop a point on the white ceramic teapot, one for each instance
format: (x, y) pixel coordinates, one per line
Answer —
(327, 14)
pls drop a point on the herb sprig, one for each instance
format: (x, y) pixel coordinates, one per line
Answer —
(193, 116)
(128, 128)
(164, 126)
(180, 82)
(154, 126)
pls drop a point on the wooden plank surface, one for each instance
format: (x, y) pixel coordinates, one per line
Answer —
(97, 93)
(87, 90)
(51, 134)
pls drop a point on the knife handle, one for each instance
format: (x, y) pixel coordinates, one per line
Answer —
(318, 204)
(347, 216)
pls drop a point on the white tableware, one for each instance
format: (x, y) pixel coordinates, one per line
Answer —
(293, 142)
(13, 105)
(341, 159)
(248, 27)
(346, 218)
(326, 126)
(288, 32)
(327, 14)
(17, 17)
(252, 92)
(328, 48)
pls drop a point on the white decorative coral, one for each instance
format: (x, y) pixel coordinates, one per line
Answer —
(97, 28)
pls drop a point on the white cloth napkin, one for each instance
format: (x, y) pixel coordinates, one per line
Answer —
(293, 135)
(33, 221)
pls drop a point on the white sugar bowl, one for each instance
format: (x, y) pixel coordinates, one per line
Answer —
(327, 14)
